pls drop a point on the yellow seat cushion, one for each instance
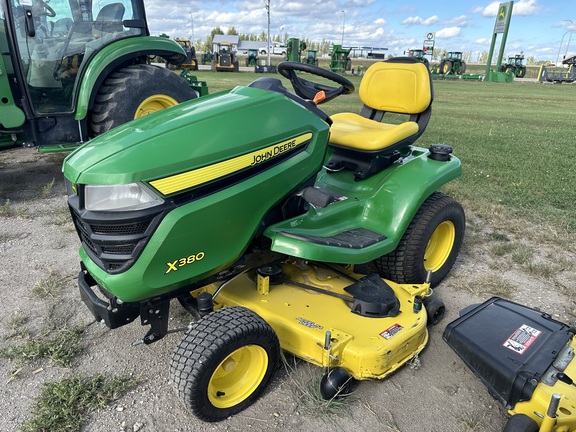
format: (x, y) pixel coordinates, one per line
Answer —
(354, 131)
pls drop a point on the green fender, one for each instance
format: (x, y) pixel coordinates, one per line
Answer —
(122, 49)
(383, 204)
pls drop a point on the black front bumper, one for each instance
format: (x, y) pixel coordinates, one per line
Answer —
(112, 313)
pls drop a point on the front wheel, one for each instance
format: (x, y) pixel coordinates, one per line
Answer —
(431, 243)
(136, 91)
(224, 363)
(521, 72)
(462, 68)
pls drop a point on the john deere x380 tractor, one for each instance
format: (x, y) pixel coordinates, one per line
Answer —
(321, 236)
(71, 70)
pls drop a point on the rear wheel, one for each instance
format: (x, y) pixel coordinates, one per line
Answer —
(224, 363)
(136, 91)
(462, 68)
(447, 67)
(431, 243)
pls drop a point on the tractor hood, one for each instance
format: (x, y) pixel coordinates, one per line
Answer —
(191, 135)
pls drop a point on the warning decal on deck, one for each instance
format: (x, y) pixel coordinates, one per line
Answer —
(522, 338)
(391, 331)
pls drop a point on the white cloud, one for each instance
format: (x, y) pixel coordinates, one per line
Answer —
(420, 21)
(460, 21)
(521, 8)
(448, 32)
(525, 7)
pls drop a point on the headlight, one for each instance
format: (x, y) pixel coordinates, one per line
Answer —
(132, 196)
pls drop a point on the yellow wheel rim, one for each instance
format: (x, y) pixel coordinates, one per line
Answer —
(439, 246)
(238, 376)
(153, 104)
(446, 68)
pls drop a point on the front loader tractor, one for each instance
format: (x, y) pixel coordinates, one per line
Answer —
(224, 59)
(73, 70)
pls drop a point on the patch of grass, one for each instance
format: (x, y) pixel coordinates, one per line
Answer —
(6, 210)
(63, 406)
(523, 254)
(307, 394)
(471, 422)
(61, 348)
(492, 284)
(47, 188)
(503, 249)
(16, 324)
(543, 270)
(50, 286)
(61, 216)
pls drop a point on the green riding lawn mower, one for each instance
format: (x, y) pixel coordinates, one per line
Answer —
(74, 70)
(319, 236)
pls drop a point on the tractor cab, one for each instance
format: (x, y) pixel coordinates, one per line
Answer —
(57, 56)
(311, 58)
(49, 42)
(454, 55)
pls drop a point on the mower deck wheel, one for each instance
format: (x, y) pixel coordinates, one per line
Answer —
(521, 423)
(224, 363)
(435, 310)
(335, 383)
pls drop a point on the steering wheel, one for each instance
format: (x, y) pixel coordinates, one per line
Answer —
(308, 89)
(47, 10)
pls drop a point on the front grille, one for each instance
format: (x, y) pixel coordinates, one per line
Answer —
(114, 240)
(126, 229)
(120, 249)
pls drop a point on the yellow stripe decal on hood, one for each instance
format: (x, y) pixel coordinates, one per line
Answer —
(196, 177)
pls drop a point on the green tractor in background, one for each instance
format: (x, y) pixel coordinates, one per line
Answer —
(311, 58)
(252, 59)
(74, 70)
(515, 66)
(451, 64)
(420, 55)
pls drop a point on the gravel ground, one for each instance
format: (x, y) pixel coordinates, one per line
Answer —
(437, 393)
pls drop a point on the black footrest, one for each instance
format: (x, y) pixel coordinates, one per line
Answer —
(353, 239)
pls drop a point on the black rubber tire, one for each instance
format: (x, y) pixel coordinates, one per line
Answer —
(521, 423)
(435, 311)
(406, 263)
(426, 63)
(521, 72)
(210, 341)
(447, 67)
(124, 90)
(335, 383)
(462, 68)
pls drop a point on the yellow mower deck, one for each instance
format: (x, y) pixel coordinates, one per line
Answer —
(366, 347)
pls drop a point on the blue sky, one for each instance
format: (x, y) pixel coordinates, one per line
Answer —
(538, 28)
